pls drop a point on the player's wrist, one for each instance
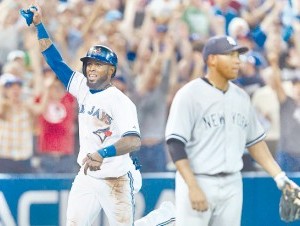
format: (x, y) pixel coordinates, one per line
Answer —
(41, 31)
(281, 180)
(109, 151)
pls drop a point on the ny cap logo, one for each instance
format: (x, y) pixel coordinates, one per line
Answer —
(231, 41)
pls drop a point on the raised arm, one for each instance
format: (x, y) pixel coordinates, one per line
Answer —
(257, 13)
(49, 51)
(276, 76)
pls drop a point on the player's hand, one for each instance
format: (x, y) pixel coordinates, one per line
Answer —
(92, 162)
(37, 17)
(31, 15)
(198, 199)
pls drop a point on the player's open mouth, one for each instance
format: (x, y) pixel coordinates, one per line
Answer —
(92, 77)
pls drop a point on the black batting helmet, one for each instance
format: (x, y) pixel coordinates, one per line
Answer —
(100, 53)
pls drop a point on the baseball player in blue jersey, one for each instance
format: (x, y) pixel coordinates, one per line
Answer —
(210, 124)
(108, 132)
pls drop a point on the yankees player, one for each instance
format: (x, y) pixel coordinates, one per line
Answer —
(210, 124)
(108, 132)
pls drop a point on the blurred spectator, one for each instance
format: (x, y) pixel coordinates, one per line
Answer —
(119, 81)
(288, 154)
(139, 12)
(184, 50)
(191, 64)
(162, 8)
(56, 131)
(249, 78)
(16, 55)
(225, 9)
(124, 66)
(240, 30)
(17, 64)
(17, 125)
(199, 18)
(10, 27)
(238, 27)
(150, 98)
(254, 11)
(265, 101)
(289, 63)
(68, 38)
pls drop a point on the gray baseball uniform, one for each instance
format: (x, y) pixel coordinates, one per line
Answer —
(216, 128)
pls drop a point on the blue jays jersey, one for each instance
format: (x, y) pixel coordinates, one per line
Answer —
(104, 117)
(215, 127)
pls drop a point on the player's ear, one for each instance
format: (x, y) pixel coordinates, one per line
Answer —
(111, 70)
(211, 60)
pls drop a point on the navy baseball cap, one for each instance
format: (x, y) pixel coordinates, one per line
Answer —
(221, 45)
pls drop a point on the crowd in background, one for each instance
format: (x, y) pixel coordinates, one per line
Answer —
(159, 44)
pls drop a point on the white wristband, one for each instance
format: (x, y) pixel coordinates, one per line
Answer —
(280, 180)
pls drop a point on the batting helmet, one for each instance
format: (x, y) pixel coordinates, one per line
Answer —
(100, 53)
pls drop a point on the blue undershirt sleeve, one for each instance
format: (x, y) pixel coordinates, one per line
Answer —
(57, 64)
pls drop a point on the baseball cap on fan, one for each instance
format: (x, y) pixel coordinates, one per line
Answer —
(7, 80)
(15, 54)
(221, 45)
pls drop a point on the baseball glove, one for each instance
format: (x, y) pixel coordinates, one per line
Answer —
(289, 206)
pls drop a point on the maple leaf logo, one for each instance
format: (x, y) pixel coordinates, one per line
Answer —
(103, 134)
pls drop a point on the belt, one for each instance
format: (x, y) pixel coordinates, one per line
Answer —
(222, 174)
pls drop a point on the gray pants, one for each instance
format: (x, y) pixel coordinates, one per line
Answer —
(224, 195)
